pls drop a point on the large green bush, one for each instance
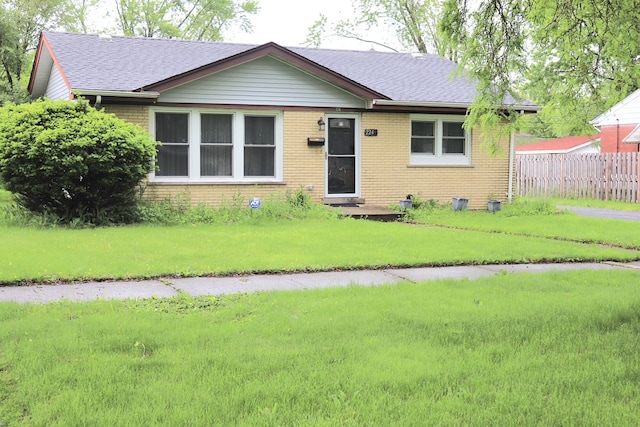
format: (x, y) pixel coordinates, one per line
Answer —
(70, 160)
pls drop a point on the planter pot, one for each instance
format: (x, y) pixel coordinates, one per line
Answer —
(406, 204)
(459, 204)
(494, 206)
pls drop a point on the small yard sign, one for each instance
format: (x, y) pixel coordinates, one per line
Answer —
(255, 203)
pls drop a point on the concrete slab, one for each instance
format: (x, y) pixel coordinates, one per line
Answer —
(436, 273)
(541, 268)
(86, 291)
(298, 281)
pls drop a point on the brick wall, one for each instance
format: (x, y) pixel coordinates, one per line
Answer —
(138, 114)
(386, 176)
(611, 139)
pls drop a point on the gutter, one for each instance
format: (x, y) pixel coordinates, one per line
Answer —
(465, 105)
(116, 93)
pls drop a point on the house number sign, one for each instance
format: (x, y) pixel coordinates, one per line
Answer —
(371, 132)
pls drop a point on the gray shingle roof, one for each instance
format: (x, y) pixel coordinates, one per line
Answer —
(120, 63)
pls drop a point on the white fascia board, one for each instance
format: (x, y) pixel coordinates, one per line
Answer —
(444, 104)
(115, 93)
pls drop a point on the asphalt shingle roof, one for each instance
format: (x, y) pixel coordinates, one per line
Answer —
(121, 63)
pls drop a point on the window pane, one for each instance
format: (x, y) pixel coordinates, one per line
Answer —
(453, 145)
(422, 129)
(172, 128)
(452, 129)
(259, 161)
(216, 128)
(216, 160)
(173, 160)
(423, 145)
(259, 130)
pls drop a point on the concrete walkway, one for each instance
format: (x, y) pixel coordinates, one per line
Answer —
(604, 213)
(254, 283)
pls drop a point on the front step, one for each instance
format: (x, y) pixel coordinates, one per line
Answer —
(337, 201)
(370, 212)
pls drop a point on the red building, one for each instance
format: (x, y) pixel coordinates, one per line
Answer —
(619, 126)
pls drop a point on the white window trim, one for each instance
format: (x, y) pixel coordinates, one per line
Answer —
(439, 158)
(238, 146)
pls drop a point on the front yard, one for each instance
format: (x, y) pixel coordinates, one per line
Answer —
(515, 349)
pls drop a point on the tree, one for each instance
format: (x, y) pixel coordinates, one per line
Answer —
(192, 20)
(21, 22)
(415, 24)
(67, 159)
(576, 58)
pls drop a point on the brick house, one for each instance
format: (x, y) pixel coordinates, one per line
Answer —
(619, 126)
(357, 126)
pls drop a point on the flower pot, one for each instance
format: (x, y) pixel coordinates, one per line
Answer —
(459, 203)
(406, 204)
(494, 206)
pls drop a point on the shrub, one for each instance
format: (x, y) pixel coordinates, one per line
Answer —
(70, 160)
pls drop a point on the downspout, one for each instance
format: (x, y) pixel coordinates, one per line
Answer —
(512, 151)
(617, 135)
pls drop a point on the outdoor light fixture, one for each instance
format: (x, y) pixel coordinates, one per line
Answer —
(321, 124)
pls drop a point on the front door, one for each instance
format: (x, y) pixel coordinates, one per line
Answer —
(342, 156)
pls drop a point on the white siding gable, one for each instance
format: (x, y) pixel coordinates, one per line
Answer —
(625, 112)
(263, 81)
(56, 87)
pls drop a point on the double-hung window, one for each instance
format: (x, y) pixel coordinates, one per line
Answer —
(259, 146)
(439, 140)
(172, 129)
(218, 145)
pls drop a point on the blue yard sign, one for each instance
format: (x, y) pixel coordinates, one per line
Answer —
(255, 203)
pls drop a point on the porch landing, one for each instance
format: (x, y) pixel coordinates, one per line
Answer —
(370, 212)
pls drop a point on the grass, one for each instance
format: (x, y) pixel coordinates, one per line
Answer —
(538, 218)
(294, 245)
(594, 203)
(526, 349)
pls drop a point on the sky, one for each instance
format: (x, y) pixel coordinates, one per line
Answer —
(287, 23)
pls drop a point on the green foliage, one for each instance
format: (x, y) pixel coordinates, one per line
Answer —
(178, 210)
(575, 58)
(192, 20)
(528, 207)
(21, 22)
(415, 24)
(71, 161)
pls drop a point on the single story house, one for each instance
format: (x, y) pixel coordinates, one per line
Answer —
(346, 126)
(619, 126)
(566, 145)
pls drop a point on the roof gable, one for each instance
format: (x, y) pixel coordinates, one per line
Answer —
(265, 81)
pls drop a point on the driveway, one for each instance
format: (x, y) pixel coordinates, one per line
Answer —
(604, 213)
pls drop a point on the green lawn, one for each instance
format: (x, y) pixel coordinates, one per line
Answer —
(31, 254)
(514, 349)
(525, 350)
(563, 225)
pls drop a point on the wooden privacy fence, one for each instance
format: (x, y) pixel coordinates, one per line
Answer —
(604, 176)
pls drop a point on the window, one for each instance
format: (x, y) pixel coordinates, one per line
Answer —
(439, 140)
(172, 129)
(259, 146)
(217, 146)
